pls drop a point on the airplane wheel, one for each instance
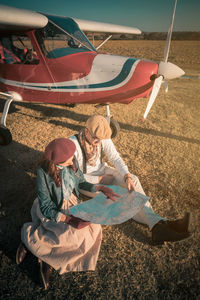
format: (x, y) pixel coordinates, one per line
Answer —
(5, 136)
(114, 125)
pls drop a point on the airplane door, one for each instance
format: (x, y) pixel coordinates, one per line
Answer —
(23, 70)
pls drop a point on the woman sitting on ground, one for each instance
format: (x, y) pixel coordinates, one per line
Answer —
(49, 236)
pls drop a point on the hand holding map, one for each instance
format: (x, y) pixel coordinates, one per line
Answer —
(101, 210)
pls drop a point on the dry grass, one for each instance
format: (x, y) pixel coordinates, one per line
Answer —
(163, 153)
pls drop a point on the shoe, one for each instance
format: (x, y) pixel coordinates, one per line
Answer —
(45, 271)
(162, 232)
(180, 225)
(21, 253)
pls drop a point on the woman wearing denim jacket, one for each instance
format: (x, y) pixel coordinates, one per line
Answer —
(49, 236)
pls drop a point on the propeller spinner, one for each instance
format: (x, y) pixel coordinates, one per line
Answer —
(166, 70)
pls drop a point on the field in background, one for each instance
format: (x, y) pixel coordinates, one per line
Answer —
(183, 53)
(163, 152)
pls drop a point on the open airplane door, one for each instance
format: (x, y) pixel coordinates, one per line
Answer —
(20, 60)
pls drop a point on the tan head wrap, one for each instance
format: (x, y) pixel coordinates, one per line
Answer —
(99, 127)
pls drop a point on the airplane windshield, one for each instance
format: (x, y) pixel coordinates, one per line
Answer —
(62, 36)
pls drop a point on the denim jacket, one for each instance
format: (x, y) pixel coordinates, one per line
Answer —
(51, 197)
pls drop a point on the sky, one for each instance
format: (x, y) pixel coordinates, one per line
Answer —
(147, 15)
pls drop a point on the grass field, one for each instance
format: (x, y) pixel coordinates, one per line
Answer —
(163, 152)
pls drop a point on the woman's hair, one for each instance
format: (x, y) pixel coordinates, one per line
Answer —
(51, 168)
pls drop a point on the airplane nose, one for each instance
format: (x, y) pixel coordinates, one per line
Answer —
(169, 71)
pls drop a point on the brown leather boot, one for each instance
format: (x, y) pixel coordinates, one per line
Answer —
(162, 232)
(180, 225)
(45, 271)
(21, 253)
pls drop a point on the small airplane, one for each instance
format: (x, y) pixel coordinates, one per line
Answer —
(48, 59)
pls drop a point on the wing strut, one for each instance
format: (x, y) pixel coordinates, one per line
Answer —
(109, 37)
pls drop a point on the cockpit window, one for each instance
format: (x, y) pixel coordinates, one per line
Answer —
(17, 49)
(62, 36)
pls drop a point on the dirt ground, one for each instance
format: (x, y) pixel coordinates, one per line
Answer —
(163, 152)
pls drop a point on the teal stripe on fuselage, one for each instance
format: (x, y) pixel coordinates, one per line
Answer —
(117, 80)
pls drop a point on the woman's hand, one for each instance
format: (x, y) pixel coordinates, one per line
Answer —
(107, 192)
(65, 218)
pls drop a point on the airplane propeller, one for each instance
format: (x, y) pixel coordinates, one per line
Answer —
(154, 93)
(166, 70)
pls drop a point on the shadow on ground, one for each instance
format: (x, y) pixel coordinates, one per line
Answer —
(56, 111)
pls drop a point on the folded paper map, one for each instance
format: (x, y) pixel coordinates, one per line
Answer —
(101, 210)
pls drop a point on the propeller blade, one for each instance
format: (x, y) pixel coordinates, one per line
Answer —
(154, 93)
(169, 35)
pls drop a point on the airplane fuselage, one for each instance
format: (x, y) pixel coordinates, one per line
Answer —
(80, 78)
(59, 71)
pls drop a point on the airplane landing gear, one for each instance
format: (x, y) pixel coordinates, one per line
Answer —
(5, 134)
(114, 125)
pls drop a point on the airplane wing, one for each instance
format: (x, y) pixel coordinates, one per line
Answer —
(12, 18)
(93, 26)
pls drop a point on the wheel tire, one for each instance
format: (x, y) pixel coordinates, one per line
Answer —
(5, 136)
(114, 125)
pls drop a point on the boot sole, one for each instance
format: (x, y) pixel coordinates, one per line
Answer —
(187, 224)
(157, 243)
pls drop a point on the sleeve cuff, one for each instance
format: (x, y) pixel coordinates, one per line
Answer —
(59, 216)
(93, 190)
